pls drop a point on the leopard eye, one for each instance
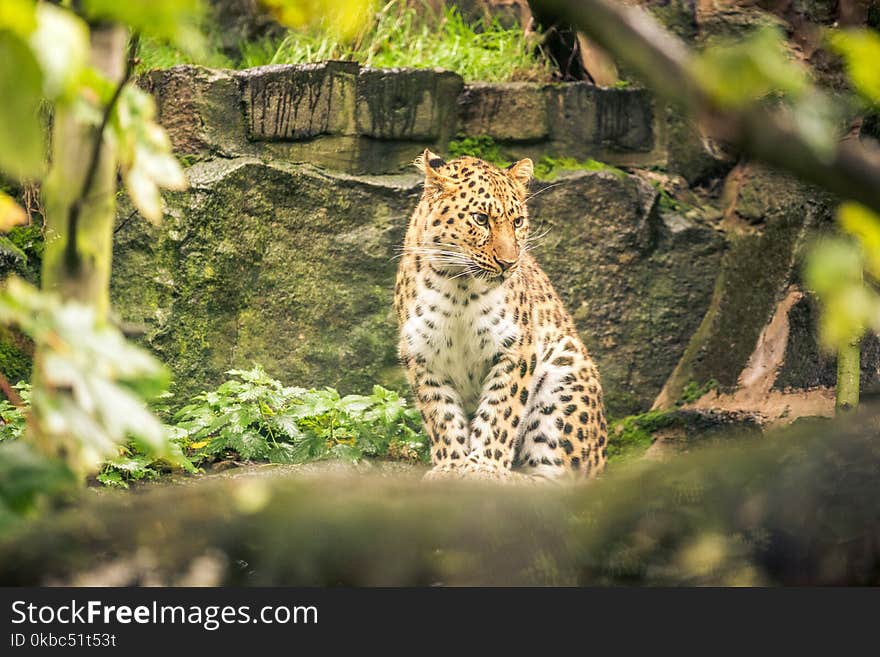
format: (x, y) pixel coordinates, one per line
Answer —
(480, 218)
(518, 222)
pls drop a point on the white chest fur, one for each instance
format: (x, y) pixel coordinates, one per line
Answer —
(458, 326)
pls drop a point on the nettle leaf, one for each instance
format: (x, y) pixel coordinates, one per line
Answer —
(249, 445)
(286, 425)
(61, 44)
(285, 453)
(22, 143)
(347, 453)
(112, 479)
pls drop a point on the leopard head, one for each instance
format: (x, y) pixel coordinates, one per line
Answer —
(476, 221)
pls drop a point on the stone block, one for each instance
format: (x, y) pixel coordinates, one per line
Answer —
(408, 104)
(288, 103)
(514, 111)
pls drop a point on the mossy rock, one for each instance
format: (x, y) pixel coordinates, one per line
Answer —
(294, 269)
(278, 265)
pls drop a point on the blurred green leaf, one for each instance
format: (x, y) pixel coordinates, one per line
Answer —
(864, 225)
(22, 143)
(736, 73)
(834, 272)
(860, 49)
(344, 17)
(144, 152)
(11, 213)
(9, 247)
(26, 478)
(176, 21)
(18, 16)
(61, 44)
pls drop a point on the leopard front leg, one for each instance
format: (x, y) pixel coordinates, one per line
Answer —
(444, 419)
(495, 425)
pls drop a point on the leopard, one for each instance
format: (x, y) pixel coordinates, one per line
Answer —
(506, 389)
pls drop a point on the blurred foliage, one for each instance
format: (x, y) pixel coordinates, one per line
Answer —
(860, 49)
(844, 271)
(762, 68)
(11, 213)
(345, 18)
(144, 152)
(44, 59)
(28, 482)
(90, 380)
(256, 417)
(738, 72)
(174, 21)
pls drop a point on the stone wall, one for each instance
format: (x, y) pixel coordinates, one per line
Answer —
(371, 121)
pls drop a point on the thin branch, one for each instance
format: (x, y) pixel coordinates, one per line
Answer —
(664, 63)
(71, 255)
(10, 392)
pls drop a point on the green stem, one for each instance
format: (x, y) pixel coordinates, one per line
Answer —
(848, 370)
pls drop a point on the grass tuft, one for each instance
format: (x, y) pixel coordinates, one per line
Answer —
(397, 37)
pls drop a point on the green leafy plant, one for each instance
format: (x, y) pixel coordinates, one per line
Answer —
(12, 418)
(255, 417)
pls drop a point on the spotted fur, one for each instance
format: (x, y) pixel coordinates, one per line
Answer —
(504, 384)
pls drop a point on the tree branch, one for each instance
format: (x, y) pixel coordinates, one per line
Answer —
(10, 392)
(71, 255)
(664, 63)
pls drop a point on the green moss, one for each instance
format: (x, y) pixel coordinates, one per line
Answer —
(693, 391)
(481, 146)
(548, 167)
(630, 437)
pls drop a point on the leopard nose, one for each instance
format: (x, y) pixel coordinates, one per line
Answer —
(504, 263)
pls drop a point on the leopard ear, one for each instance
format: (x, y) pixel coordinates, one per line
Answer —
(521, 172)
(428, 163)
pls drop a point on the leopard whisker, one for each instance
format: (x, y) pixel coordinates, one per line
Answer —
(541, 191)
